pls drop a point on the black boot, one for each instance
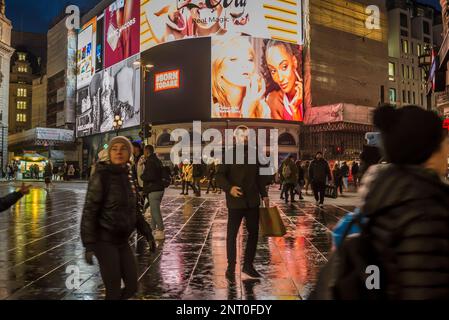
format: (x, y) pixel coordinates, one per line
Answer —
(250, 271)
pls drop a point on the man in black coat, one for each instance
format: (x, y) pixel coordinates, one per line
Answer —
(12, 198)
(244, 186)
(318, 172)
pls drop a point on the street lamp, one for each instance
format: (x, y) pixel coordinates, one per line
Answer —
(118, 123)
(425, 63)
(145, 70)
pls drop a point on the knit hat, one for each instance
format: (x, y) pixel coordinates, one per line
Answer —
(410, 135)
(123, 140)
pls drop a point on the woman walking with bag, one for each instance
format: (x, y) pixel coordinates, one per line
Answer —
(111, 214)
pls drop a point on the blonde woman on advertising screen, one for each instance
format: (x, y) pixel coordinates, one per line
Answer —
(237, 88)
(285, 86)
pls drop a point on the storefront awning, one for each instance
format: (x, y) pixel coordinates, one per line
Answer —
(42, 137)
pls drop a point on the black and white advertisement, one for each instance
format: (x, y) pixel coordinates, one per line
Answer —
(113, 92)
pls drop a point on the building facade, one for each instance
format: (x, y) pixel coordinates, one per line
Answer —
(6, 51)
(39, 102)
(20, 92)
(412, 28)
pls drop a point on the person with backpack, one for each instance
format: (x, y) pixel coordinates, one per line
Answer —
(355, 174)
(111, 214)
(344, 170)
(404, 217)
(338, 177)
(300, 182)
(187, 178)
(318, 173)
(153, 189)
(290, 174)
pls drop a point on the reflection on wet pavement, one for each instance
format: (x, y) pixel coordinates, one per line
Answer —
(41, 256)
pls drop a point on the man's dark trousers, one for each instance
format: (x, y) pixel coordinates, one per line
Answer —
(319, 189)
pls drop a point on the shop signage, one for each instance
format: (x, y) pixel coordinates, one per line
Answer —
(166, 80)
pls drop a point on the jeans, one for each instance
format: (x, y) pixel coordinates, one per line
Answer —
(252, 226)
(289, 187)
(197, 185)
(117, 263)
(319, 189)
(186, 185)
(345, 182)
(155, 199)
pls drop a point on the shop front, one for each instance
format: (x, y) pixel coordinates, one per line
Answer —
(31, 165)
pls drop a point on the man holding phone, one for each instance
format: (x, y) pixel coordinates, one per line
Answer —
(12, 198)
(244, 186)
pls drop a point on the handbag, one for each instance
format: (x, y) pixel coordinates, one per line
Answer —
(271, 224)
(331, 192)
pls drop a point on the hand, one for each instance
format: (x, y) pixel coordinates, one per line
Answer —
(236, 192)
(151, 243)
(255, 91)
(266, 202)
(25, 189)
(297, 100)
(89, 257)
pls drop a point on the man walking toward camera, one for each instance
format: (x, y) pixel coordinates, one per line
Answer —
(318, 172)
(244, 186)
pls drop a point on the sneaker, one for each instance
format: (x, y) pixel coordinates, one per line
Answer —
(251, 272)
(159, 235)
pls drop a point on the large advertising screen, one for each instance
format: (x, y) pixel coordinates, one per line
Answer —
(256, 79)
(122, 31)
(178, 86)
(169, 20)
(86, 53)
(111, 92)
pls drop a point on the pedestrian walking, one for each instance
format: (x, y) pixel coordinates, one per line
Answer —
(70, 172)
(338, 177)
(344, 170)
(153, 189)
(197, 175)
(187, 178)
(306, 177)
(355, 173)
(244, 186)
(300, 182)
(407, 204)
(48, 174)
(211, 177)
(111, 214)
(318, 173)
(290, 175)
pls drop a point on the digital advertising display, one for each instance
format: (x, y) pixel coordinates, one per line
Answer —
(113, 91)
(170, 20)
(86, 53)
(256, 79)
(122, 31)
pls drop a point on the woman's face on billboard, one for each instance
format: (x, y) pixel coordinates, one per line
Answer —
(205, 17)
(282, 66)
(238, 66)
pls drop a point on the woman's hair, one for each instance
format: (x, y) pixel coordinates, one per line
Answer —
(291, 49)
(220, 51)
(410, 135)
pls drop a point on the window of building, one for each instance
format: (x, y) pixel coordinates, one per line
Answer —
(404, 97)
(414, 98)
(392, 94)
(409, 97)
(391, 71)
(426, 40)
(404, 20)
(426, 27)
(413, 73)
(403, 72)
(23, 69)
(21, 117)
(404, 33)
(22, 56)
(21, 105)
(404, 46)
(412, 48)
(418, 49)
(408, 72)
(21, 92)
(422, 99)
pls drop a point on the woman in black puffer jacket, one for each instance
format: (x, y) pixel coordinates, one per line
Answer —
(111, 214)
(407, 204)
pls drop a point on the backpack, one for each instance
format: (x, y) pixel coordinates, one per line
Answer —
(345, 275)
(286, 171)
(166, 176)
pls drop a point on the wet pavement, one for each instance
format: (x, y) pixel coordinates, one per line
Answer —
(41, 256)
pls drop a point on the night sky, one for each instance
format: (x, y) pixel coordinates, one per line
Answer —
(35, 16)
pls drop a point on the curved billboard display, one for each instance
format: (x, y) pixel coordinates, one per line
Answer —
(210, 59)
